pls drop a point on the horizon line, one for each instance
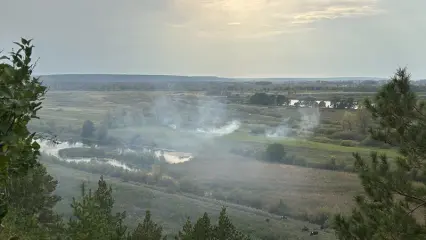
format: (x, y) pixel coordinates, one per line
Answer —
(216, 76)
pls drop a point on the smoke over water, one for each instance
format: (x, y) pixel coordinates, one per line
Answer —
(52, 149)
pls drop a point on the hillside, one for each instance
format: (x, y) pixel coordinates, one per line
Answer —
(171, 210)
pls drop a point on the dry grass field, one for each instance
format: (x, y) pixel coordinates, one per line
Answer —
(301, 189)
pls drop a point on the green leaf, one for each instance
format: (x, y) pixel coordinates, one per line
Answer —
(3, 148)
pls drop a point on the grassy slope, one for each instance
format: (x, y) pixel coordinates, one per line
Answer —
(171, 210)
(309, 144)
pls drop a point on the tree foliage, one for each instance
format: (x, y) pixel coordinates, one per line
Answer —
(93, 217)
(20, 96)
(203, 229)
(275, 152)
(87, 131)
(268, 99)
(148, 230)
(31, 203)
(393, 205)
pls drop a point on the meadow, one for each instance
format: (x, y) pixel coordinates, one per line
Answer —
(225, 169)
(171, 210)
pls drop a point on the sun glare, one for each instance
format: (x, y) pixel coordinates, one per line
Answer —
(232, 18)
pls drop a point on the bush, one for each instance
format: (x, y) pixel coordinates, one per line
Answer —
(238, 197)
(323, 140)
(167, 182)
(348, 143)
(320, 218)
(327, 121)
(369, 142)
(188, 186)
(280, 208)
(258, 131)
(347, 135)
(275, 152)
(325, 130)
(217, 194)
(248, 152)
(297, 161)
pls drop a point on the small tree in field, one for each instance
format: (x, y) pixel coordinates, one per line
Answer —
(393, 205)
(87, 131)
(275, 152)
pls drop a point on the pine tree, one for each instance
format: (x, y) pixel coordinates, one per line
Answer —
(93, 218)
(186, 233)
(226, 230)
(203, 229)
(394, 198)
(148, 230)
(31, 202)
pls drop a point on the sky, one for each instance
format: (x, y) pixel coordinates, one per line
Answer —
(230, 38)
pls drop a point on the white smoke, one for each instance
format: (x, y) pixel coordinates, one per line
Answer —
(173, 126)
(283, 130)
(174, 157)
(53, 150)
(309, 120)
(221, 131)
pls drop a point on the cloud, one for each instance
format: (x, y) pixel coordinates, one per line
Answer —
(331, 13)
(261, 18)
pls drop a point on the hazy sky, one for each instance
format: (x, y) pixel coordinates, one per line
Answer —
(289, 38)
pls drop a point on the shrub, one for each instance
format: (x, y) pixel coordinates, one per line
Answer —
(217, 194)
(347, 135)
(368, 141)
(187, 185)
(323, 140)
(348, 143)
(280, 208)
(319, 218)
(325, 130)
(327, 121)
(293, 160)
(167, 182)
(258, 131)
(238, 197)
(275, 152)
